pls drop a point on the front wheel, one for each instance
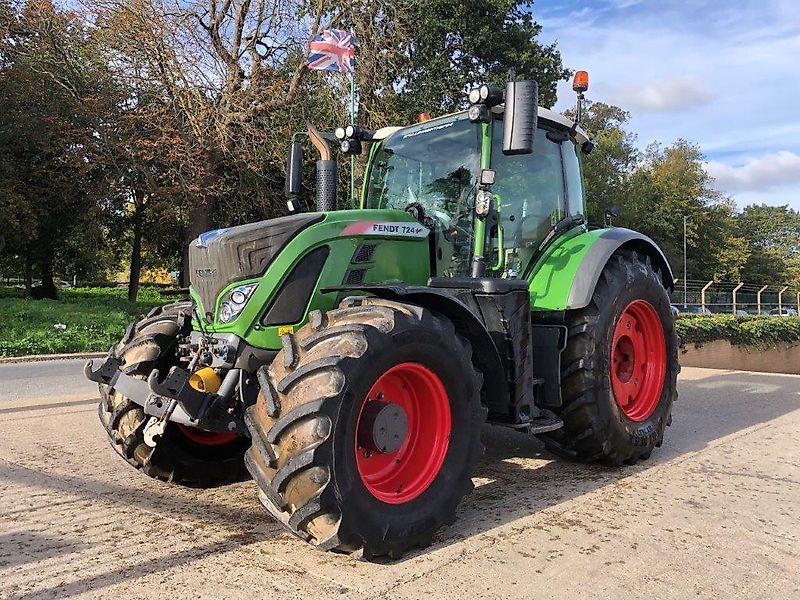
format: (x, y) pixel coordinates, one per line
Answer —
(367, 427)
(620, 367)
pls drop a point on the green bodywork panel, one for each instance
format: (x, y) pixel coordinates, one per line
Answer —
(553, 274)
(396, 258)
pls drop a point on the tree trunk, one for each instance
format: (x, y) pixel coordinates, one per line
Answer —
(48, 287)
(136, 257)
(199, 222)
(202, 209)
(28, 272)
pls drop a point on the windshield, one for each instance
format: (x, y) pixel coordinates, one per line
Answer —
(433, 168)
(432, 164)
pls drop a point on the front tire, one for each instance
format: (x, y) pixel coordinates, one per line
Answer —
(342, 484)
(183, 455)
(620, 367)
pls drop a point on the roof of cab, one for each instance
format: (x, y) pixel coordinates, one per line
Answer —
(544, 113)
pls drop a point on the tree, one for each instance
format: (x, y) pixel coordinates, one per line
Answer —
(456, 45)
(51, 96)
(773, 234)
(181, 111)
(222, 70)
(667, 185)
(416, 56)
(608, 168)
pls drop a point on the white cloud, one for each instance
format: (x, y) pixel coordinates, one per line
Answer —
(789, 194)
(665, 94)
(708, 72)
(757, 174)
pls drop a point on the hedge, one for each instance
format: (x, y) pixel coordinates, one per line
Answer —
(758, 332)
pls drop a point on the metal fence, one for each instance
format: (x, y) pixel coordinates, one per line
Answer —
(735, 298)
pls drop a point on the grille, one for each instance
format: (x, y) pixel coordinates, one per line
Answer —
(363, 253)
(354, 276)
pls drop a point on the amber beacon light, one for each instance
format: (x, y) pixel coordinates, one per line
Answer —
(580, 83)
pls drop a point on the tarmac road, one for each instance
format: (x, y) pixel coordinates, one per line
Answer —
(714, 514)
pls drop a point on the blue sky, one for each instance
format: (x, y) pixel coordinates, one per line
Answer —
(725, 75)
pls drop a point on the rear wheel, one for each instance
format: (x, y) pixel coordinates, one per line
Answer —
(182, 454)
(367, 427)
(620, 367)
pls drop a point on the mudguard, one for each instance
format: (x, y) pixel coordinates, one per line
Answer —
(566, 276)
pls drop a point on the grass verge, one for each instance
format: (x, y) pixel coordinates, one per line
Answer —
(93, 319)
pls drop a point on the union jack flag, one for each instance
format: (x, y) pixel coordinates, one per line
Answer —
(332, 50)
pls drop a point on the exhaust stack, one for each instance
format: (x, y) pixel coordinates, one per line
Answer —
(326, 172)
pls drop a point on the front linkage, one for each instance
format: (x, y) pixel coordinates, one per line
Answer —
(175, 398)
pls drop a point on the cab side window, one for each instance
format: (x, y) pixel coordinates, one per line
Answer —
(531, 188)
(574, 177)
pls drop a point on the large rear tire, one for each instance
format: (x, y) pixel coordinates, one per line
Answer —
(182, 455)
(326, 466)
(620, 367)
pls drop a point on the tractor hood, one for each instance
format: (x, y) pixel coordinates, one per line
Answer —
(220, 257)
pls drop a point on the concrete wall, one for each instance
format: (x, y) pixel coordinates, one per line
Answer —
(721, 354)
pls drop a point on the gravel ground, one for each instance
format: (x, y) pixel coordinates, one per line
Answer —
(714, 513)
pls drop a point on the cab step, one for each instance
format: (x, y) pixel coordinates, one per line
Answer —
(546, 421)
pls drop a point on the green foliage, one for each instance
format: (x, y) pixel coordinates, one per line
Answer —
(455, 45)
(670, 183)
(656, 189)
(95, 319)
(51, 182)
(756, 332)
(178, 123)
(607, 169)
(773, 234)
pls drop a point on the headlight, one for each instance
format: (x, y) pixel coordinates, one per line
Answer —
(234, 302)
(225, 312)
(478, 113)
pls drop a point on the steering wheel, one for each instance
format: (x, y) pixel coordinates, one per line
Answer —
(417, 211)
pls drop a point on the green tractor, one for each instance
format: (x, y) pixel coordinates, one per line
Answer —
(348, 359)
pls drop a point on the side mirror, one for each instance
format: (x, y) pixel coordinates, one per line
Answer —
(519, 120)
(294, 168)
(611, 213)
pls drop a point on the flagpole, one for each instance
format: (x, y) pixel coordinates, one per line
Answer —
(352, 157)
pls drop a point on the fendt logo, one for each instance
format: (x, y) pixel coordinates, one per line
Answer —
(387, 228)
(413, 230)
(205, 272)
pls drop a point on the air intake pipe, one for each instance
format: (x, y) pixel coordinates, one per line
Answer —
(326, 172)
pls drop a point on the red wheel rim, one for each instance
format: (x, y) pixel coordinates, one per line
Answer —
(206, 438)
(638, 360)
(401, 476)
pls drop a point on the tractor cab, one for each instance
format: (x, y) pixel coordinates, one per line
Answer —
(432, 169)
